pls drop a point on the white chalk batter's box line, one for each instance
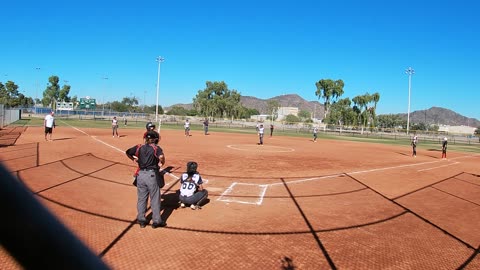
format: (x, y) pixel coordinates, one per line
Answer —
(227, 197)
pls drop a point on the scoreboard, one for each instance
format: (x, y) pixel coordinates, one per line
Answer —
(87, 103)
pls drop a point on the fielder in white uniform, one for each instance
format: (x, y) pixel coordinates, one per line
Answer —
(187, 128)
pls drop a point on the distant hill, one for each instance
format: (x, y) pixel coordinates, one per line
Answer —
(440, 116)
(434, 115)
(291, 100)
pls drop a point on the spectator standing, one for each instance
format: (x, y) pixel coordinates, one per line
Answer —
(49, 124)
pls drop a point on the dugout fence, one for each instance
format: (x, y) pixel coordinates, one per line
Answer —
(8, 116)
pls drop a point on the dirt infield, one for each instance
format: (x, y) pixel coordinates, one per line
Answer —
(289, 204)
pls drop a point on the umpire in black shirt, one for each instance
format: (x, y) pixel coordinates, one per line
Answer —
(149, 158)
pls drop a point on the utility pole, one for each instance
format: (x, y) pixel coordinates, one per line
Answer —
(409, 72)
(159, 60)
(105, 78)
(36, 91)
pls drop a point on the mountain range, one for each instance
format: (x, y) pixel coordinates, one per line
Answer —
(434, 115)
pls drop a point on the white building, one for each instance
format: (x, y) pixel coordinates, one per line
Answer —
(457, 129)
(282, 112)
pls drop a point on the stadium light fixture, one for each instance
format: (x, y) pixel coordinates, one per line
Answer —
(409, 72)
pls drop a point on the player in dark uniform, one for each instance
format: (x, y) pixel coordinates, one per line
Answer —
(444, 148)
(205, 126)
(414, 146)
(151, 127)
(150, 158)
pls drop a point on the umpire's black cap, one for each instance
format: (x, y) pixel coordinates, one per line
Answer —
(152, 135)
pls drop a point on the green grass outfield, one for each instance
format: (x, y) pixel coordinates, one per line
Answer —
(371, 138)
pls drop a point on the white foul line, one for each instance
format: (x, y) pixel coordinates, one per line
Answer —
(438, 167)
(118, 149)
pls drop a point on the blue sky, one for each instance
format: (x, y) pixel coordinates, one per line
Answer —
(259, 48)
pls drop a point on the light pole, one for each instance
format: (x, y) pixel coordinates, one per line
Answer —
(409, 72)
(36, 91)
(103, 102)
(144, 100)
(159, 60)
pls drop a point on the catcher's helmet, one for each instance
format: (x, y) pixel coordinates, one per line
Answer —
(152, 135)
(192, 167)
(150, 126)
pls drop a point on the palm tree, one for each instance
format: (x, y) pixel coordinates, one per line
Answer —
(328, 89)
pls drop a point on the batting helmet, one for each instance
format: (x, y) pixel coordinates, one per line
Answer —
(192, 167)
(152, 135)
(150, 125)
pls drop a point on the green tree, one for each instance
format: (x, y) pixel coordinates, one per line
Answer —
(272, 108)
(389, 121)
(341, 113)
(304, 115)
(9, 95)
(419, 126)
(375, 99)
(329, 90)
(63, 94)
(130, 103)
(365, 109)
(246, 113)
(217, 100)
(477, 133)
(3, 94)
(53, 92)
(434, 128)
(22, 101)
(74, 100)
(192, 112)
(118, 106)
(177, 110)
(291, 119)
(151, 109)
(361, 103)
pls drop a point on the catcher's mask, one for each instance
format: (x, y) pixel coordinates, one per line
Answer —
(192, 167)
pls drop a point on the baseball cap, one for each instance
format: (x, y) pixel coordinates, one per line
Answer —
(152, 135)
